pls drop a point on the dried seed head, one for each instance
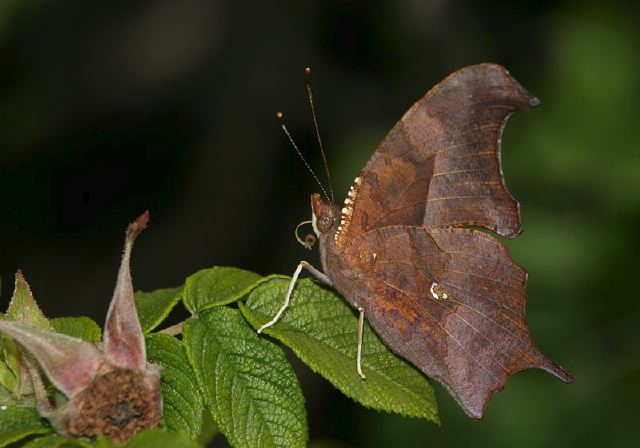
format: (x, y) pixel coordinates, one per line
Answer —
(119, 403)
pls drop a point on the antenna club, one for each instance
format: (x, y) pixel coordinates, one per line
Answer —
(279, 115)
(307, 71)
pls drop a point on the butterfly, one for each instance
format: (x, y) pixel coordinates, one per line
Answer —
(411, 248)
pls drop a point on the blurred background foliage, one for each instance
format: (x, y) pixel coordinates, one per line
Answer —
(111, 108)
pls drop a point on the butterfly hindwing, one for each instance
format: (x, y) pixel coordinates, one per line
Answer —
(451, 301)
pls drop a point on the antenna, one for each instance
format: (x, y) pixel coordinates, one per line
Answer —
(280, 117)
(307, 82)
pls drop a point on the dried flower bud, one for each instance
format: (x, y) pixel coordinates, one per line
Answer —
(115, 393)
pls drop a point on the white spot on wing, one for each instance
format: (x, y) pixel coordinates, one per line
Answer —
(434, 293)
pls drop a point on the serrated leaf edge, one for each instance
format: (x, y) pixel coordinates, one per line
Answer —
(253, 321)
(162, 316)
(236, 297)
(200, 380)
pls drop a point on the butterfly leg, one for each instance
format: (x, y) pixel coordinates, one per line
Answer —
(317, 274)
(359, 356)
(294, 278)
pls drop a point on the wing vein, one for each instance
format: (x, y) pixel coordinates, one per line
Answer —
(497, 324)
(490, 374)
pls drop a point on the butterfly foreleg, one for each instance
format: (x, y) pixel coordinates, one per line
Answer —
(294, 278)
(316, 273)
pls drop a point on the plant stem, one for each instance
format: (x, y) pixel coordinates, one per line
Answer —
(173, 330)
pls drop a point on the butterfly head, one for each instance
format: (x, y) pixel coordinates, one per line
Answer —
(324, 215)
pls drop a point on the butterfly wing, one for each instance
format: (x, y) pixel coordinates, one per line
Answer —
(473, 340)
(440, 164)
(401, 245)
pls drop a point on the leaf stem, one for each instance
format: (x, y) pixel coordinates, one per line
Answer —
(173, 330)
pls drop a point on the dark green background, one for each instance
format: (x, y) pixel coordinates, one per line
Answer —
(110, 108)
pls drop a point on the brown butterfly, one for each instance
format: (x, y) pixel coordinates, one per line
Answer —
(402, 249)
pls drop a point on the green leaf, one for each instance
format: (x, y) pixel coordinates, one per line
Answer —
(217, 286)
(7, 378)
(154, 307)
(6, 397)
(10, 370)
(11, 377)
(79, 327)
(182, 400)
(152, 438)
(18, 422)
(56, 441)
(209, 429)
(322, 330)
(248, 384)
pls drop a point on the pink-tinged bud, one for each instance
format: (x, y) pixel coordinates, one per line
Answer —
(123, 337)
(69, 363)
(115, 393)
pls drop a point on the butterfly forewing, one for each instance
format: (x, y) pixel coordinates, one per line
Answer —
(440, 164)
